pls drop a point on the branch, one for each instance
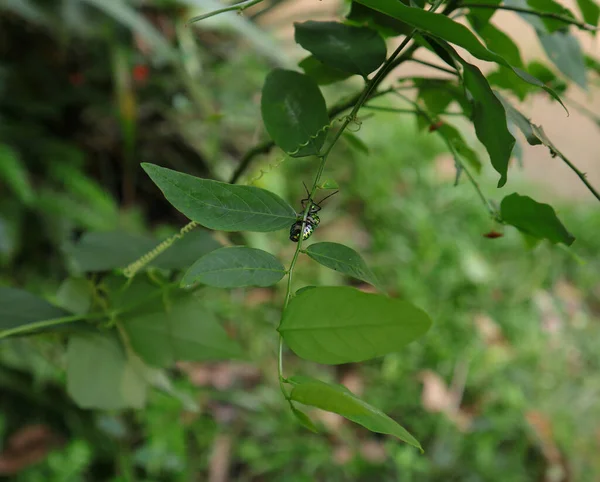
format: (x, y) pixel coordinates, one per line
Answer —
(434, 66)
(238, 7)
(554, 16)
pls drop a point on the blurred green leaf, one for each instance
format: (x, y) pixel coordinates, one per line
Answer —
(388, 26)
(334, 325)
(184, 251)
(182, 331)
(549, 6)
(522, 122)
(497, 41)
(343, 259)
(338, 400)
(358, 50)
(590, 11)
(14, 173)
(75, 295)
(322, 74)
(535, 219)
(356, 143)
(294, 112)
(236, 266)
(480, 17)
(100, 375)
(455, 138)
(564, 51)
(222, 206)
(304, 420)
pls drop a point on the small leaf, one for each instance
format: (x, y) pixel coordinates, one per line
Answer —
(340, 400)
(343, 259)
(222, 206)
(339, 324)
(322, 74)
(294, 112)
(590, 11)
(101, 376)
(183, 331)
(235, 267)
(329, 184)
(535, 219)
(20, 309)
(358, 50)
(304, 420)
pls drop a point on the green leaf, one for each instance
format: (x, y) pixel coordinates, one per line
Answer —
(497, 41)
(343, 259)
(75, 295)
(101, 376)
(183, 331)
(358, 50)
(546, 6)
(564, 51)
(340, 400)
(222, 206)
(454, 137)
(438, 94)
(535, 219)
(489, 119)
(22, 311)
(304, 420)
(590, 11)
(339, 324)
(329, 184)
(504, 78)
(447, 29)
(15, 175)
(356, 143)
(480, 17)
(522, 122)
(546, 75)
(234, 267)
(294, 112)
(384, 24)
(322, 74)
(184, 251)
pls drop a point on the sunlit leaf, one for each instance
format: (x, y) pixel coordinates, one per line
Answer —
(340, 400)
(343, 259)
(294, 112)
(358, 50)
(222, 206)
(334, 325)
(535, 219)
(234, 267)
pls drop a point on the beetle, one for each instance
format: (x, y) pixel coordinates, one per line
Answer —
(312, 219)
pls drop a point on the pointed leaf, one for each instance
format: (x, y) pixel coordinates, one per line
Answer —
(358, 50)
(590, 11)
(294, 112)
(339, 324)
(222, 206)
(535, 219)
(101, 376)
(343, 259)
(322, 74)
(183, 331)
(234, 267)
(340, 400)
(22, 311)
(522, 122)
(304, 420)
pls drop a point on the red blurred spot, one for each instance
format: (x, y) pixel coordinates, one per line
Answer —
(76, 78)
(140, 73)
(493, 235)
(436, 126)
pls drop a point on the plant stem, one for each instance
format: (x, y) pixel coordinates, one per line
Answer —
(581, 175)
(239, 7)
(434, 66)
(47, 323)
(405, 111)
(552, 15)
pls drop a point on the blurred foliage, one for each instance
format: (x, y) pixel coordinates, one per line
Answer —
(504, 386)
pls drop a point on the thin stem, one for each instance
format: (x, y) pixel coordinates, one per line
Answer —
(404, 111)
(47, 323)
(552, 15)
(581, 175)
(239, 7)
(434, 66)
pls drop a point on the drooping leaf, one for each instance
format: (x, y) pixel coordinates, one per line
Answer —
(222, 206)
(20, 310)
(522, 122)
(304, 420)
(343, 259)
(322, 74)
(455, 138)
(447, 29)
(358, 50)
(535, 219)
(294, 112)
(505, 79)
(101, 376)
(540, 71)
(438, 94)
(181, 331)
(340, 400)
(564, 50)
(234, 267)
(590, 11)
(339, 324)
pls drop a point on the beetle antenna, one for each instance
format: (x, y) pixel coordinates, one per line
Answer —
(306, 189)
(326, 197)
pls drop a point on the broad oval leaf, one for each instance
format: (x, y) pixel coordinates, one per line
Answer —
(100, 375)
(343, 259)
(222, 206)
(340, 400)
(322, 74)
(21, 311)
(234, 267)
(447, 29)
(358, 50)
(181, 331)
(339, 324)
(534, 218)
(294, 112)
